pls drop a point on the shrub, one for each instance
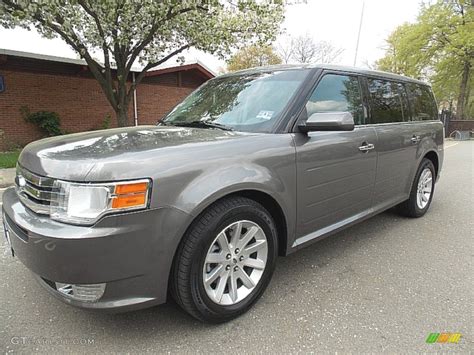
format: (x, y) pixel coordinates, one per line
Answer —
(48, 122)
(106, 122)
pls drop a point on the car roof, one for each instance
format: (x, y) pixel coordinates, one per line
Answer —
(341, 68)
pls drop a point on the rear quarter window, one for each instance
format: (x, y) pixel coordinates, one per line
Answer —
(422, 103)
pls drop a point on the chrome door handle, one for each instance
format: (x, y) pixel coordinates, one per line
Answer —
(415, 139)
(366, 147)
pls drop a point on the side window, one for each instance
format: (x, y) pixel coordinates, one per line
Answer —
(385, 101)
(422, 102)
(407, 116)
(337, 93)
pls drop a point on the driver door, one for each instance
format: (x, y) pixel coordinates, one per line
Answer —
(335, 170)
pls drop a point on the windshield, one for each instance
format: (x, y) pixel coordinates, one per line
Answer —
(247, 102)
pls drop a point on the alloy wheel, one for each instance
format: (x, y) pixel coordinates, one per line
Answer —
(424, 189)
(235, 262)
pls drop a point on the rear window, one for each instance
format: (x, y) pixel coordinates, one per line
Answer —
(422, 103)
(385, 101)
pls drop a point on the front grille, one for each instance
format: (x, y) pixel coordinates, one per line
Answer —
(35, 192)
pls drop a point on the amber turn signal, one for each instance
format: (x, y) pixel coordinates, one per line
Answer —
(131, 188)
(130, 195)
(129, 201)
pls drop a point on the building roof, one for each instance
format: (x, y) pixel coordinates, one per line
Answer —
(50, 58)
(162, 69)
(189, 66)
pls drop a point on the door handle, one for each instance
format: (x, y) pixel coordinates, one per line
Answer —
(415, 139)
(366, 147)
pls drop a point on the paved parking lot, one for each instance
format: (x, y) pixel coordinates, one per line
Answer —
(382, 285)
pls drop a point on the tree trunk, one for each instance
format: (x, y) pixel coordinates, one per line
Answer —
(461, 104)
(122, 114)
(467, 111)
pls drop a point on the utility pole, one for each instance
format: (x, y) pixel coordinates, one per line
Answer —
(358, 34)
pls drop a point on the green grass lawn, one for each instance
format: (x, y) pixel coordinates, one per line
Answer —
(8, 159)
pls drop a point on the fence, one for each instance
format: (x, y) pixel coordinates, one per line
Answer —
(451, 124)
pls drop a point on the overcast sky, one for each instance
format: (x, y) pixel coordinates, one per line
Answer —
(336, 21)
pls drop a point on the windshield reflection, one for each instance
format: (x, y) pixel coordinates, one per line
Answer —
(244, 102)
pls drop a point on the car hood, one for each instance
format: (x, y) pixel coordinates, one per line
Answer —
(121, 153)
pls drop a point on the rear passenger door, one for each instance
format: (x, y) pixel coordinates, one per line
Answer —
(335, 170)
(397, 139)
(424, 118)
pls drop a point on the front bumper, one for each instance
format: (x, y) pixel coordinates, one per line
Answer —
(132, 253)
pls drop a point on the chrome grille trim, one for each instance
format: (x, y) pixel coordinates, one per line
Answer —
(39, 194)
(34, 191)
(35, 207)
(33, 179)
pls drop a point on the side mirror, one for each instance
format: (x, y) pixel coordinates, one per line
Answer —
(328, 121)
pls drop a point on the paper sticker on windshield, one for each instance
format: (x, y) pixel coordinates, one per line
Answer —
(265, 115)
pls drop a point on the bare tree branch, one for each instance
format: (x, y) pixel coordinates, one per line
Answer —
(304, 49)
(285, 50)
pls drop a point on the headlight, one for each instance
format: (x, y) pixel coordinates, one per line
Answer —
(86, 203)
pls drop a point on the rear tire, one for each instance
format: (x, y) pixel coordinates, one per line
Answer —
(216, 234)
(421, 193)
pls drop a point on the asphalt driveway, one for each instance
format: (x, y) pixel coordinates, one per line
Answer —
(382, 285)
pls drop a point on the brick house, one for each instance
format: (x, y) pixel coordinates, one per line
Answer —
(65, 86)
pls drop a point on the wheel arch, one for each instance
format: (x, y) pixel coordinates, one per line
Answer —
(269, 202)
(433, 157)
(275, 210)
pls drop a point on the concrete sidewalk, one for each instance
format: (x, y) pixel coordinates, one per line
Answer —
(7, 177)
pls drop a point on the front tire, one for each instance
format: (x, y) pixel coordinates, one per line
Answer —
(422, 191)
(225, 261)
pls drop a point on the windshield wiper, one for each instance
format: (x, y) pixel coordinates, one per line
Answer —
(202, 124)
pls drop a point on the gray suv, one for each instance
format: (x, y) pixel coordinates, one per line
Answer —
(252, 165)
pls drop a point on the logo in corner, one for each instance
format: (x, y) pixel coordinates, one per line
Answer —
(452, 338)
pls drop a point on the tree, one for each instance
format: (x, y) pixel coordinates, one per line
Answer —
(438, 47)
(285, 49)
(304, 49)
(326, 52)
(253, 56)
(149, 32)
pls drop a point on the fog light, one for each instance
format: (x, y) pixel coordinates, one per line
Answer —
(85, 293)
